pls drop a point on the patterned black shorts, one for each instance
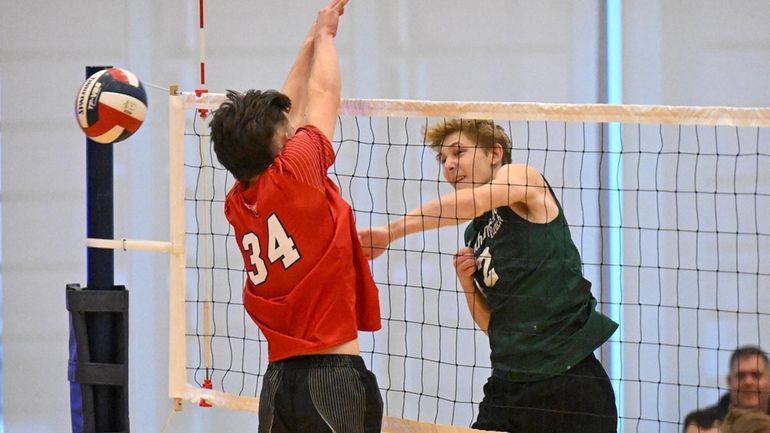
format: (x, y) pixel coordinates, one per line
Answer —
(320, 393)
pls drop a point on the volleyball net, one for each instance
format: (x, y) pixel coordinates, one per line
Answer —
(665, 206)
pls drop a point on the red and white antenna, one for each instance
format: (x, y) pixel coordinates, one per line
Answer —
(202, 52)
(203, 112)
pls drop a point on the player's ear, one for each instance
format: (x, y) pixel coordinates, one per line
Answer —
(497, 154)
(283, 133)
(279, 140)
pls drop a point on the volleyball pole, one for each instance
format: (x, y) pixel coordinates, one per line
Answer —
(98, 358)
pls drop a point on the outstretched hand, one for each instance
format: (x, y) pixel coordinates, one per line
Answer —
(339, 6)
(329, 17)
(374, 241)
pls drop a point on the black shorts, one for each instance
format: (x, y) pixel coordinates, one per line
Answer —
(580, 400)
(320, 393)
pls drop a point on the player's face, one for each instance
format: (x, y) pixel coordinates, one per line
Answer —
(465, 165)
(749, 382)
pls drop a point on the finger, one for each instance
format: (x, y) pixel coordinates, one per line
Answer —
(467, 266)
(464, 258)
(339, 6)
(462, 263)
(462, 272)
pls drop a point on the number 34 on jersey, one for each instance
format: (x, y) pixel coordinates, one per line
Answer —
(280, 246)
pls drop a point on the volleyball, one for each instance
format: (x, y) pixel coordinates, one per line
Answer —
(111, 105)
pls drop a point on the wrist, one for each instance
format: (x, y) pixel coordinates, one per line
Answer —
(324, 33)
(396, 229)
(469, 287)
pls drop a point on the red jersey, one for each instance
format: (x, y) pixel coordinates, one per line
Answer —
(308, 285)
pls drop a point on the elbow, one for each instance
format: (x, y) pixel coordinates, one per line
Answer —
(322, 107)
(324, 94)
(483, 327)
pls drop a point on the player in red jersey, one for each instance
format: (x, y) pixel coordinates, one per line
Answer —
(308, 287)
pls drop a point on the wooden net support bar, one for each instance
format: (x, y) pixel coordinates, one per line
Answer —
(599, 113)
(177, 259)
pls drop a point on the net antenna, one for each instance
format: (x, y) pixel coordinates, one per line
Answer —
(207, 299)
(202, 54)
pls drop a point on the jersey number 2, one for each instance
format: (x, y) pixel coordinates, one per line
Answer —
(279, 246)
(484, 262)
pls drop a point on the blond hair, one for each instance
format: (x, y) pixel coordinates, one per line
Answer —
(745, 421)
(485, 132)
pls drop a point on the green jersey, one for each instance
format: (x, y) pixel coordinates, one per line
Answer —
(543, 316)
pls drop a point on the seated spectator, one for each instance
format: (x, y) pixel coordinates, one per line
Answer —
(749, 383)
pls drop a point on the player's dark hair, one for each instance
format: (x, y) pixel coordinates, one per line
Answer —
(704, 419)
(243, 130)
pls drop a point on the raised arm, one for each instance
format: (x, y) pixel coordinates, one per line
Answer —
(513, 184)
(295, 86)
(323, 91)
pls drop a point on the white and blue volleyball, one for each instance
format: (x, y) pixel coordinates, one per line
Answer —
(111, 105)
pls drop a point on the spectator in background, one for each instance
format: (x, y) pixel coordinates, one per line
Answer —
(749, 383)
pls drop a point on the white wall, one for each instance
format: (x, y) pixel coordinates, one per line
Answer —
(711, 52)
(714, 52)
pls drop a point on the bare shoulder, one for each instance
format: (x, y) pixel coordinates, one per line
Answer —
(518, 175)
(528, 194)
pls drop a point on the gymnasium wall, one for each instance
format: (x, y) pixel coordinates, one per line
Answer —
(496, 50)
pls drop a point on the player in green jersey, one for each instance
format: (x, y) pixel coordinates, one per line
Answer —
(522, 277)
